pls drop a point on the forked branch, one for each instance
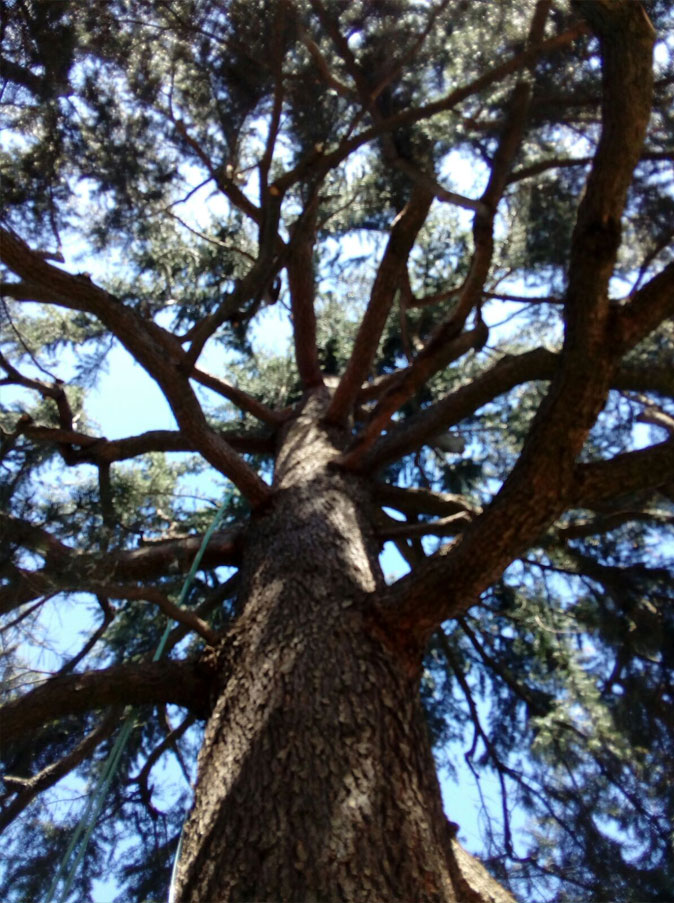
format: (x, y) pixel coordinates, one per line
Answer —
(542, 482)
(448, 341)
(156, 350)
(387, 282)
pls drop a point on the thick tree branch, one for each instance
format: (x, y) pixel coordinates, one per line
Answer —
(16, 378)
(256, 281)
(539, 364)
(184, 616)
(647, 469)
(281, 11)
(541, 482)
(154, 683)
(300, 267)
(31, 584)
(14, 531)
(614, 578)
(24, 291)
(523, 299)
(421, 501)
(429, 183)
(155, 349)
(82, 448)
(510, 371)
(154, 559)
(321, 63)
(644, 312)
(442, 584)
(405, 385)
(192, 421)
(604, 523)
(143, 338)
(213, 599)
(447, 342)
(535, 169)
(389, 528)
(66, 569)
(387, 282)
(147, 561)
(21, 76)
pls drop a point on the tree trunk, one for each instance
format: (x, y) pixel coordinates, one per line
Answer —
(316, 780)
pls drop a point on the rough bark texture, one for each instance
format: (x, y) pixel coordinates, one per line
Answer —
(316, 780)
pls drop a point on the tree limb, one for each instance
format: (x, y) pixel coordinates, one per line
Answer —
(278, 28)
(87, 449)
(447, 342)
(66, 569)
(210, 602)
(644, 311)
(256, 281)
(169, 742)
(604, 523)
(28, 788)
(404, 384)
(156, 350)
(300, 267)
(389, 528)
(387, 282)
(153, 594)
(179, 683)
(597, 482)
(421, 501)
(227, 186)
(20, 75)
(428, 182)
(541, 483)
(511, 371)
(241, 399)
(16, 531)
(108, 615)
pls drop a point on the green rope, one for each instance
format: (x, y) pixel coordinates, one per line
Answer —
(174, 870)
(87, 822)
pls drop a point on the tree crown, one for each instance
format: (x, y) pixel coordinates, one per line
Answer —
(461, 215)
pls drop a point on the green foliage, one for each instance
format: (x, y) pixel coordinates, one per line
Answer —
(128, 127)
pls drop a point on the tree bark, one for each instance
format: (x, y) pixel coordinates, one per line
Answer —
(316, 779)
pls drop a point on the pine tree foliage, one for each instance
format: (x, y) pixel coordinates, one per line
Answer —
(463, 215)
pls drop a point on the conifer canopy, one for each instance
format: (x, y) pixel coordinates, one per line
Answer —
(451, 221)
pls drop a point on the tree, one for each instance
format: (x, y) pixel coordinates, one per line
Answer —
(530, 461)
